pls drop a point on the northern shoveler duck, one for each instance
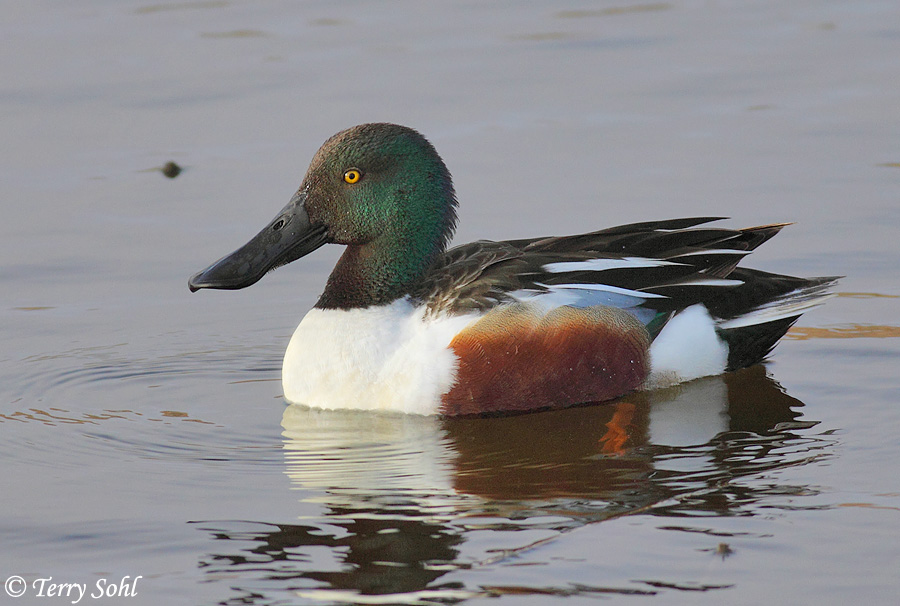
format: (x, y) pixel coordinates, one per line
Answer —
(405, 324)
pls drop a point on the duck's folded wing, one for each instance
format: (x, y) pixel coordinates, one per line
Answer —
(660, 266)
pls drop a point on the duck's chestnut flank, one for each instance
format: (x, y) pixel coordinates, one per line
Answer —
(516, 358)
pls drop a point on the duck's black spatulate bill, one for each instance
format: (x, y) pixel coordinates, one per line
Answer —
(288, 237)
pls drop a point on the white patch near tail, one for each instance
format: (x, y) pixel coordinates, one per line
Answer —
(687, 348)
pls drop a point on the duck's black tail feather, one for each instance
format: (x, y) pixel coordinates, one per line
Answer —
(761, 311)
(751, 344)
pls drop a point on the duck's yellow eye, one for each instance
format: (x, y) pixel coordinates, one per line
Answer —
(352, 175)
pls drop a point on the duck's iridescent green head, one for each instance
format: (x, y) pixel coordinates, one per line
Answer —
(382, 190)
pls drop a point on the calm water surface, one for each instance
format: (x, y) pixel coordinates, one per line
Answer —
(142, 429)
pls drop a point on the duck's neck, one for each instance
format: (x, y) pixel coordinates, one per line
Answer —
(364, 277)
(388, 268)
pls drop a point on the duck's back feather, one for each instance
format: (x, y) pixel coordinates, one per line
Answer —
(670, 258)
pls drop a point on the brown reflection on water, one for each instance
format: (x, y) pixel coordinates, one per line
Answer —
(180, 6)
(399, 495)
(60, 416)
(610, 452)
(850, 331)
(614, 10)
(866, 295)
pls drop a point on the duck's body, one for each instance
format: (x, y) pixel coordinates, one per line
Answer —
(486, 327)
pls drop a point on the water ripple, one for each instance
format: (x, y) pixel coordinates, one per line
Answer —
(119, 401)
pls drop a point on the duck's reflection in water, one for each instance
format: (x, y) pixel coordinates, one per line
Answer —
(400, 495)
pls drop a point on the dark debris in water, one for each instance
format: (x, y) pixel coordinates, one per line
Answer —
(171, 170)
(724, 550)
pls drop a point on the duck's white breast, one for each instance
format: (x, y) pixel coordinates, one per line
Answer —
(388, 357)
